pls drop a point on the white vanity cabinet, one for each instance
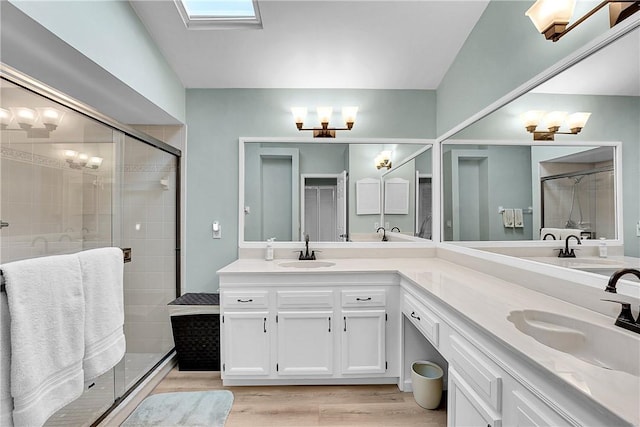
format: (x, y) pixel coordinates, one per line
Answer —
(465, 407)
(277, 331)
(363, 334)
(487, 384)
(246, 329)
(305, 332)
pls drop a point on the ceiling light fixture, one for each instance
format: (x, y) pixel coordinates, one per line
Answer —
(551, 17)
(383, 160)
(553, 121)
(324, 116)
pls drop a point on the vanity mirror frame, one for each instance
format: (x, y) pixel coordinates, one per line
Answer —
(421, 146)
(600, 42)
(617, 167)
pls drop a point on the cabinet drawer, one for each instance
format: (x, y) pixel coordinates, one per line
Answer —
(305, 299)
(245, 299)
(364, 298)
(478, 371)
(422, 318)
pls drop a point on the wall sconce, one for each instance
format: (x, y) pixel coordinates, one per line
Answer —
(324, 115)
(553, 121)
(81, 160)
(551, 17)
(26, 119)
(383, 160)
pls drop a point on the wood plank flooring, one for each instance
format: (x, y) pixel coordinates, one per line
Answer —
(300, 406)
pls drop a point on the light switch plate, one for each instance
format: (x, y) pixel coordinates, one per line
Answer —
(638, 229)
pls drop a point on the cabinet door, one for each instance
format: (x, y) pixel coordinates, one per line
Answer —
(246, 343)
(531, 412)
(305, 342)
(465, 407)
(363, 341)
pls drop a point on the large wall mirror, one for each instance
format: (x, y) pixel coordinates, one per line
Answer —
(503, 192)
(331, 191)
(408, 196)
(586, 183)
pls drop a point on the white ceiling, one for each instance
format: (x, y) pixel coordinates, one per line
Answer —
(368, 44)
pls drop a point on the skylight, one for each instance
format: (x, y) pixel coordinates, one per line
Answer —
(219, 14)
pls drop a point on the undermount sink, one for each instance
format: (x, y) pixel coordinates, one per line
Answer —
(306, 264)
(594, 344)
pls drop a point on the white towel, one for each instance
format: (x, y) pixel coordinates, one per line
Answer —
(555, 232)
(507, 218)
(6, 402)
(518, 219)
(566, 232)
(46, 304)
(102, 277)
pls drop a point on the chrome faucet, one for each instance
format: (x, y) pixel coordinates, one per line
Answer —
(384, 233)
(306, 256)
(625, 318)
(396, 228)
(553, 236)
(565, 253)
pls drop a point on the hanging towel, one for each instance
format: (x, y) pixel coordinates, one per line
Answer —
(518, 219)
(102, 278)
(6, 402)
(507, 218)
(46, 305)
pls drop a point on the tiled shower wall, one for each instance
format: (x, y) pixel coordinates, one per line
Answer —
(52, 208)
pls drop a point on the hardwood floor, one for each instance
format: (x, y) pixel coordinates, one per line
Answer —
(358, 405)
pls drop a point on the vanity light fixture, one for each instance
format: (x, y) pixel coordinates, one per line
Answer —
(551, 17)
(26, 119)
(383, 160)
(553, 121)
(82, 160)
(324, 116)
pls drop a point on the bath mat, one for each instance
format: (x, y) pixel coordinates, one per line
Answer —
(197, 408)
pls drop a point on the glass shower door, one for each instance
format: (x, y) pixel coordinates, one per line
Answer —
(148, 197)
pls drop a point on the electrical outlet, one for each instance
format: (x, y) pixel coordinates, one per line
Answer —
(638, 229)
(386, 225)
(376, 225)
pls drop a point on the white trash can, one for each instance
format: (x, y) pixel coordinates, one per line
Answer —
(426, 380)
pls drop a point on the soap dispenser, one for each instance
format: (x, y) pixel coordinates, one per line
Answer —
(269, 252)
(602, 248)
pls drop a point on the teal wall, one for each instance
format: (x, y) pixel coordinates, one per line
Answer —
(110, 34)
(613, 118)
(218, 117)
(505, 181)
(503, 51)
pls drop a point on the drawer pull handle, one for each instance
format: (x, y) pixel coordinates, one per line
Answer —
(264, 325)
(413, 314)
(345, 324)
(329, 324)
(363, 299)
(245, 300)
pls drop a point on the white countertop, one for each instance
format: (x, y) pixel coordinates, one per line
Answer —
(591, 263)
(487, 301)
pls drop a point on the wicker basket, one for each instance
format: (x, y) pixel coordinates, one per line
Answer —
(197, 336)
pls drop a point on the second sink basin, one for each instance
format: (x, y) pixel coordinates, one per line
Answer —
(306, 264)
(594, 344)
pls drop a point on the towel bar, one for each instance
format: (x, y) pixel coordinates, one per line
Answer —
(126, 253)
